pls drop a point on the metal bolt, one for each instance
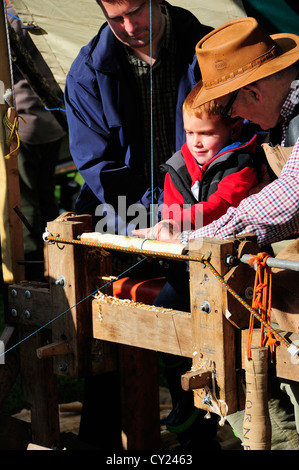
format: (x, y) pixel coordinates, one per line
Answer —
(27, 314)
(229, 260)
(14, 312)
(14, 292)
(60, 281)
(205, 306)
(63, 367)
(27, 294)
(249, 293)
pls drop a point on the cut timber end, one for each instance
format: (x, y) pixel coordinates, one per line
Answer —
(196, 379)
(5, 338)
(37, 447)
(54, 349)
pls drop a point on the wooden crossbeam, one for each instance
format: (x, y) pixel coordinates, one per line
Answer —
(157, 329)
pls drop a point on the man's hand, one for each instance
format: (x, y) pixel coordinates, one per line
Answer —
(166, 230)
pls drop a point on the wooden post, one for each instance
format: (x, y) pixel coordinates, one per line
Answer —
(72, 277)
(10, 224)
(214, 347)
(140, 398)
(40, 388)
(257, 425)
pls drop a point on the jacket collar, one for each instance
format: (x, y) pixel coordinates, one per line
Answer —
(103, 58)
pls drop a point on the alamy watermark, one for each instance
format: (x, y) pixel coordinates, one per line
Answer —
(123, 218)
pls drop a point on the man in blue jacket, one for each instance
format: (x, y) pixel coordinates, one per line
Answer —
(124, 95)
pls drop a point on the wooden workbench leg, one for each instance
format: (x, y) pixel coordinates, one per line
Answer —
(100, 425)
(213, 335)
(121, 408)
(140, 398)
(39, 388)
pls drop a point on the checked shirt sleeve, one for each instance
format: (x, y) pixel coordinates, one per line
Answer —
(272, 214)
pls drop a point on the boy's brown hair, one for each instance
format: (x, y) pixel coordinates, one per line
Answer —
(211, 108)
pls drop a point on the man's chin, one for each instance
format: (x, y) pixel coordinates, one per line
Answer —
(137, 43)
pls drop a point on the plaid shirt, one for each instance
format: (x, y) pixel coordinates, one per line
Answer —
(273, 213)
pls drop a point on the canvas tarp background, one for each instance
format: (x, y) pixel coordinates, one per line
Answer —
(66, 26)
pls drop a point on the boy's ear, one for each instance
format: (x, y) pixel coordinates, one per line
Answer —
(236, 129)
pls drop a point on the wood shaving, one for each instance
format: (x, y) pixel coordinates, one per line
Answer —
(108, 299)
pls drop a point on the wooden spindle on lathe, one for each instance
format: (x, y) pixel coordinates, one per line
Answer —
(257, 425)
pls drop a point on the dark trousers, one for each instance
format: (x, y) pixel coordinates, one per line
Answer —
(37, 187)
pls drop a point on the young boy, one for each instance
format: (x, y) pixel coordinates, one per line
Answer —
(212, 171)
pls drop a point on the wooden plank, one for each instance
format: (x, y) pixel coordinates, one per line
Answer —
(213, 335)
(29, 303)
(156, 328)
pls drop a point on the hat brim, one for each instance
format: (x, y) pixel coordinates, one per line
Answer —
(289, 46)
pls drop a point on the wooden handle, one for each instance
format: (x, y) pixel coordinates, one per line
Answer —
(257, 425)
(60, 348)
(197, 379)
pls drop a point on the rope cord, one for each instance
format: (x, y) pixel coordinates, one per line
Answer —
(261, 301)
(70, 308)
(12, 133)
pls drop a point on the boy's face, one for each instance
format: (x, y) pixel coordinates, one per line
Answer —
(129, 20)
(206, 136)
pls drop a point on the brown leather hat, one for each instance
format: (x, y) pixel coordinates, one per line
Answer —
(238, 53)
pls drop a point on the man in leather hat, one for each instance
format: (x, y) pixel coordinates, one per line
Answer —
(256, 76)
